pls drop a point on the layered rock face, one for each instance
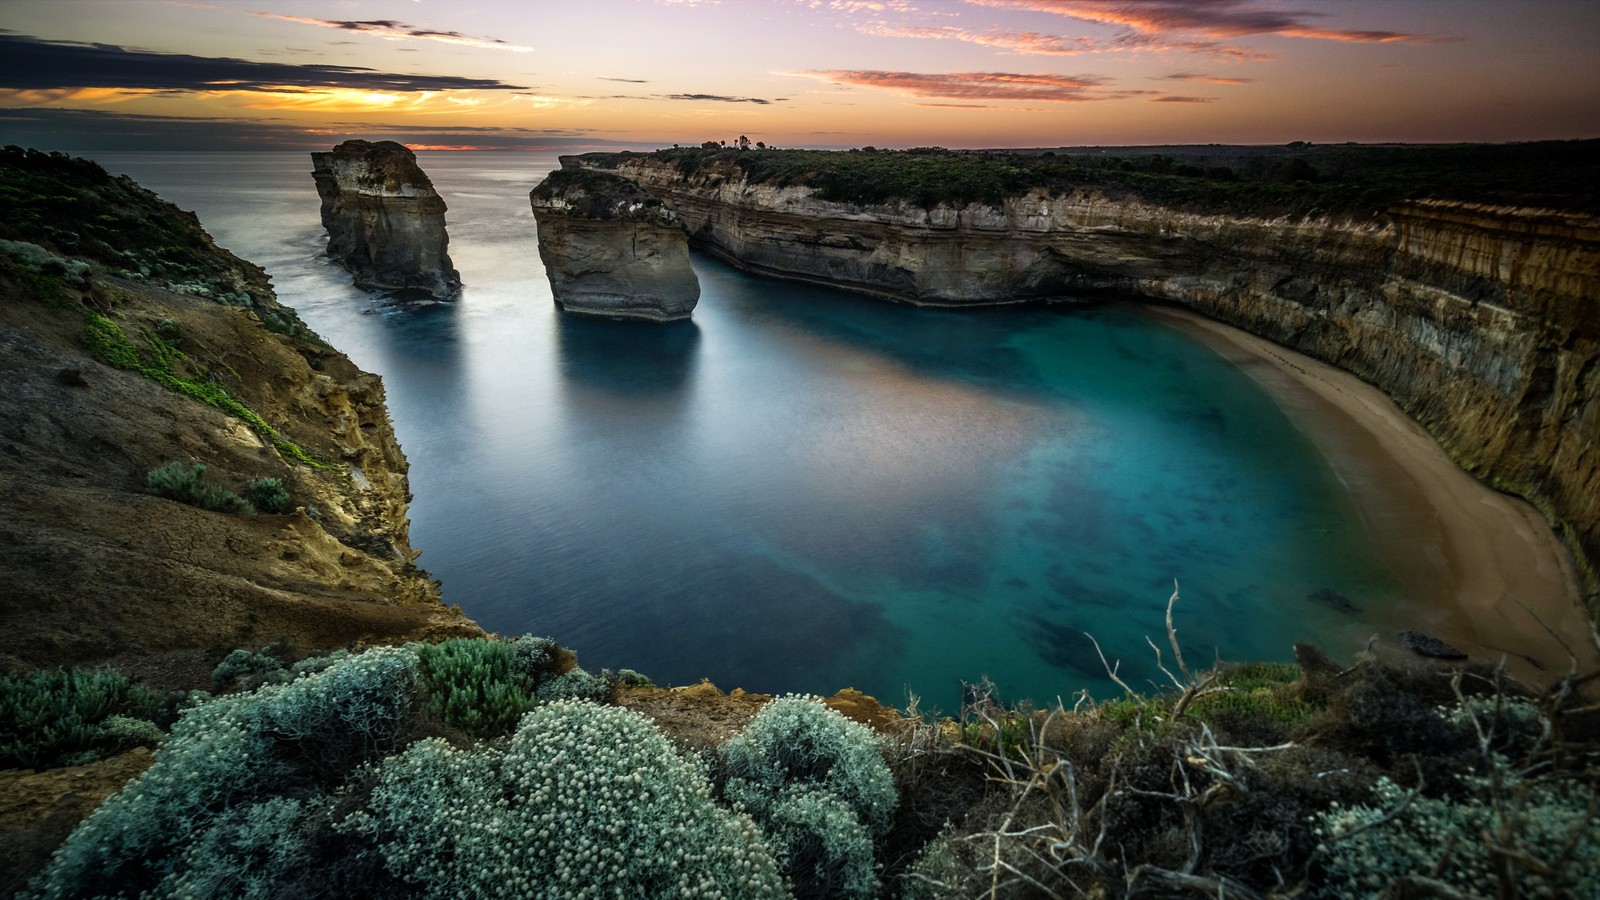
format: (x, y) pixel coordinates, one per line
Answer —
(611, 249)
(111, 373)
(1483, 323)
(385, 221)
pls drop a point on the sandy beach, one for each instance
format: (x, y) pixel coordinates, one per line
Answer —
(1493, 579)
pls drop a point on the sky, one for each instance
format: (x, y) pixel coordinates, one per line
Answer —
(566, 75)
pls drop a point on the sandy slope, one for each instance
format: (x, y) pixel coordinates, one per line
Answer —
(1500, 582)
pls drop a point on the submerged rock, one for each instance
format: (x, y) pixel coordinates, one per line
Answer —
(1428, 645)
(611, 249)
(385, 221)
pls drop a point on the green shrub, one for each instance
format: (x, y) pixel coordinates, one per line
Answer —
(817, 785)
(226, 755)
(175, 481)
(54, 717)
(268, 495)
(587, 800)
(481, 686)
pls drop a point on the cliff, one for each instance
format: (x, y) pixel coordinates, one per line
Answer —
(1480, 321)
(611, 249)
(131, 341)
(385, 221)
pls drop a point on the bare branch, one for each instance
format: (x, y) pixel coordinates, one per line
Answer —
(1110, 671)
(1172, 633)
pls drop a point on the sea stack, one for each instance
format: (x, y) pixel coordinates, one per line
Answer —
(611, 249)
(385, 221)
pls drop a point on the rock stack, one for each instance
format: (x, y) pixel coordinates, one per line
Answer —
(611, 249)
(385, 221)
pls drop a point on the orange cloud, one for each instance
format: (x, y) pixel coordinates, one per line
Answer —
(1213, 18)
(972, 85)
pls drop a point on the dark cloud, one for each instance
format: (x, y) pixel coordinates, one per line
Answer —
(1180, 99)
(84, 130)
(1208, 79)
(720, 98)
(28, 63)
(626, 80)
(391, 28)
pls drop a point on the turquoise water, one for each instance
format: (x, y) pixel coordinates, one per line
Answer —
(805, 489)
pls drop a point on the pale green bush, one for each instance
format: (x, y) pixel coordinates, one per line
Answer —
(247, 853)
(796, 740)
(817, 785)
(230, 753)
(261, 665)
(575, 684)
(1548, 819)
(587, 800)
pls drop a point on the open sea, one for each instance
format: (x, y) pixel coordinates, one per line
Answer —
(805, 489)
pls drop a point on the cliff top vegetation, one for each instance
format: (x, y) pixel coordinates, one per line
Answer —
(592, 194)
(498, 768)
(1298, 179)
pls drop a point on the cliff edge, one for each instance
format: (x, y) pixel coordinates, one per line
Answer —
(385, 221)
(611, 249)
(130, 342)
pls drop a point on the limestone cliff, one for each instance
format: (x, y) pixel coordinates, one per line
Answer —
(611, 249)
(129, 340)
(1482, 322)
(385, 221)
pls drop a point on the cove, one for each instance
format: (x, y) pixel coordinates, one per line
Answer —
(803, 489)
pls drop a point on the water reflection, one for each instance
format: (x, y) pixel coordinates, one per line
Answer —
(624, 357)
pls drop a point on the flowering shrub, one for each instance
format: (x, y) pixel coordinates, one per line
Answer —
(817, 785)
(587, 800)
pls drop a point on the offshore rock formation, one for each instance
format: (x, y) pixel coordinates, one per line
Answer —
(111, 373)
(385, 221)
(1483, 323)
(611, 249)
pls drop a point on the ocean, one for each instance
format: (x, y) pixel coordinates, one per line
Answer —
(802, 489)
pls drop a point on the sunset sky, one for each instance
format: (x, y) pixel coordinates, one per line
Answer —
(557, 75)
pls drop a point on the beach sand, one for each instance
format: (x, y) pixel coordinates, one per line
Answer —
(1490, 575)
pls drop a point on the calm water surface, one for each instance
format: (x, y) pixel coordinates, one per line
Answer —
(805, 489)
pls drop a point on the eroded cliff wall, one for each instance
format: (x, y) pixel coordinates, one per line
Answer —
(612, 250)
(385, 221)
(1483, 323)
(120, 355)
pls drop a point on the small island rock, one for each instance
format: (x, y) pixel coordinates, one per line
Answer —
(611, 249)
(385, 221)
